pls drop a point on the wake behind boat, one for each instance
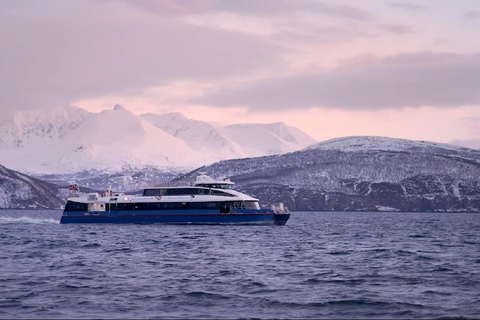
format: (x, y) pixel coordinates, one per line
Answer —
(208, 201)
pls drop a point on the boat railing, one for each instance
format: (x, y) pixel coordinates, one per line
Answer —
(280, 208)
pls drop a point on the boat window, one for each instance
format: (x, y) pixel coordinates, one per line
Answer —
(211, 205)
(216, 186)
(171, 192)
(181, 191)
(221, 193)
(205, 205)
(184, 192)
(76, 206)
(251, 205)
(238, 205)
(153, 192)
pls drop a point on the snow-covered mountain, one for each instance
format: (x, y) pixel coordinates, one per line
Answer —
(270, 139)
(71, 140)
(364, 143)
(362, 174)
(20, 129)
(199, 135)
(107, 141)
(20, 191)
(233, 141)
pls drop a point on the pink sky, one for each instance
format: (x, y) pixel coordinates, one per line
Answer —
(404, 69)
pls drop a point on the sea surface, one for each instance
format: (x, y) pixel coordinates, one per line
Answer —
(319, 265)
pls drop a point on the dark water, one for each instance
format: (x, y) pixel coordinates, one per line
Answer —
(320, 265)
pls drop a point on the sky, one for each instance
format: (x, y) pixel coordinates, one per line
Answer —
(400, 69)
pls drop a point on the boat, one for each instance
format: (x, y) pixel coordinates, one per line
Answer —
(207, 201)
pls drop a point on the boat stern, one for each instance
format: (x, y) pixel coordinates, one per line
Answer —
(281, 218)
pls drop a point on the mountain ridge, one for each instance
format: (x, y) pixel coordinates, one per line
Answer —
(70, 139)
(356, 143)
(404, 178)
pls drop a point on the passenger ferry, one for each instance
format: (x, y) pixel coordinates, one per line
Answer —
(208, 201)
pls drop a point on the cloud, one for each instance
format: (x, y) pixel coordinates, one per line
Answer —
(172, 7)
(405, 80)
(412, 7)
(472, 125)
(397, 28)
(55, 52)
(471, 16)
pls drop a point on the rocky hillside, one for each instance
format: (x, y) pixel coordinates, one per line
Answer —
(362, 174)
(19, 191)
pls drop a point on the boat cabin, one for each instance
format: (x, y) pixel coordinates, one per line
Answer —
(206, 181)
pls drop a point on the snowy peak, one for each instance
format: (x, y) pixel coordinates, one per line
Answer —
(117, 139)
(109, 141)
(177, 124)
(233, 141)
(20, 128)
(118, 107)
(279, 129)
(69, 140)
(109, 125)
(163, 119)
(365, 143)
(198, 135)
(270, 138)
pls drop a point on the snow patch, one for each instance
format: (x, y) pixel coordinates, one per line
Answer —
(456, 189)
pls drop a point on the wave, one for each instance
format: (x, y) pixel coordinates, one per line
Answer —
(24, 219)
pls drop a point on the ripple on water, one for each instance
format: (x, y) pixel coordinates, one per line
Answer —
(323, 265)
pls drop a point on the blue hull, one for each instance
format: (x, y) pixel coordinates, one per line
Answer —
(264, 217)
